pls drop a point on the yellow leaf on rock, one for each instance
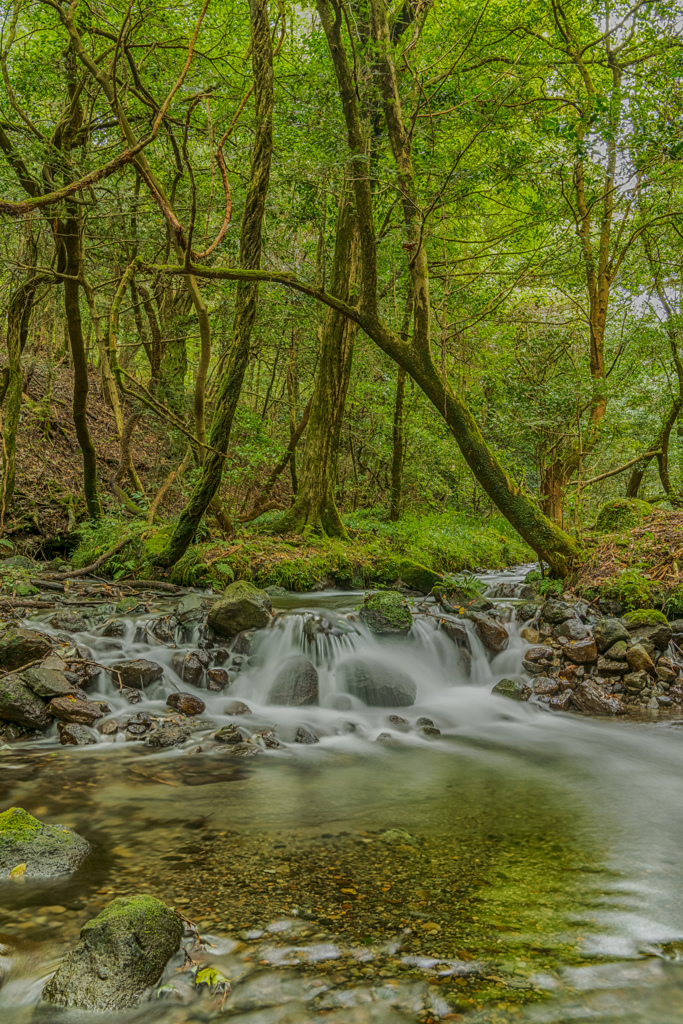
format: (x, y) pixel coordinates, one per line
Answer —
(18, 870)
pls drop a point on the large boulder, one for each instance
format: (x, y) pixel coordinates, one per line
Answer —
(513, 689)
(295, 684)
(46, 850)
(190, 610)
(72, 710)
(47, 682)
(386, 614)
(137, 673)
(377, 685)
(21, 705)
(19, 647)
(592, 701)
(608, 632)
(417, 576)
(639, 660)
(648, 624)
(555, 611)
(70, 622)
(492, 634)
(242, 606)
(122, 953)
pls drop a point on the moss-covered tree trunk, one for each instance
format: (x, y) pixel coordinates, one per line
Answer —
(246, 300)
(315, 508)
(397, 445)
(18, 318)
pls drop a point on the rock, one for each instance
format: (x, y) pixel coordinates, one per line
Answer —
(274, 591)
(556, 611)
(70, 622)
(621, 514)
(676, 627)
(296, 683)
(168, 735)
(535, 667)
(455, 631)
(665, 672)
(242, 606)
(218, 679)
(46, 850)
(342, 702)
(581, 651)
(429, 730)
(115, 628)
(424, 721)
(493, 636)
(639, 660)
(47, 682)
(385, 613)
(190, 610)
(25, 590)
(526, 612)
(137, 726)
(121, 954)
(644, 617)
(513, 689)
(538, 654)
(398, 723)
(376, 685)
(237, 708)
(613, 668)
(542, 684)
(228, 734)
(20, 704)
(572, 629)
(653, 704)
(129, 606)
(189, 668)
(617, 652)
(132, 696)
(592, 701)
(613, 609)
(305, 736)
(530, 636)
(17, 562)
(136, 673)
(69, 709)
(636, 681)
(608, 632)
(19, 647)
(243, 642)
(648, 624)
(561, 702)
(108, 728)
(186, 703)
(75, 735)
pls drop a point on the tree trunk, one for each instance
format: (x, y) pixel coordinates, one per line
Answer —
(314, 508)
(18, 318)
(397, 443)
(246, 299)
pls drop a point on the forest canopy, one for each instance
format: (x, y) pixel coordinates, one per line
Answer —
(341, 262)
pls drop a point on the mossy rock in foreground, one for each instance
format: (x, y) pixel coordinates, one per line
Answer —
(386, 614)
(621, 514)
(121, 954)
(417, 576)
(43, 851)
(242, 606)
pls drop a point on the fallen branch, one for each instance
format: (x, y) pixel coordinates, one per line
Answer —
(152, 584)
(46, 585)
(613, 472)
(22, 602)
(95, 565)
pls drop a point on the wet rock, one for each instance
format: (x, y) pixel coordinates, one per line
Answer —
(186, 703)
(46, 682)
(70, 622)
(20, 704)
(275, 591)
(536, 667)
(639, 660)
(243, 642)
(493, 636)
(526, 612)
(19, 647)
(162, 629)
(653, 704)
(429, 730)
(465, 656)
(132, 696)
(398, 723)
(137, 726)
(592, 701)
(424, 721)
(513, 689)
(617, 652)
(122, 952)
(267, 739)
(455, 631)
(581, 651)
(168, 735)
(243, 606)
(376, 685)
(305, 736)
(538, 654)
(115, 629)
(659, 635)
(228, 734)
(665, 671)
(556, 611)
(296, 683)
(70, 709)
(237, 708)
(386, 614)
(75, 734)
(611, 668)
(188, 667)
(108, 728)
(190, 610)
(46, 850)
(572, 629)
(530, 636)
(561, 702)
(636, 681)
(218, 679)
(17, 562)
(137, 673)
(542, 684)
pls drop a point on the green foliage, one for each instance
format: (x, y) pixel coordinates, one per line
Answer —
(631, 589)
(99, 535)
(621, 514)
(549, 588)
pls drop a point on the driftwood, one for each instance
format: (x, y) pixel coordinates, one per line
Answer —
(22, 602)
(46, 585)
(151, 584)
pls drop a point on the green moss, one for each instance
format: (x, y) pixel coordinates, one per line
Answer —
(645, 617)
(386, 613)
(631, 589)
(18, 822)
(621, 514)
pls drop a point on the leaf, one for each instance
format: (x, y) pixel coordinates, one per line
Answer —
(212, 977)
(18, 870)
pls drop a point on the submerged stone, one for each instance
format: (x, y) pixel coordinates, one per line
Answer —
(296, 683)
(186, 703)
(75, 735)
(122, 953)
(46, 850)
(376, 685)
(242, 606)
(386, 614)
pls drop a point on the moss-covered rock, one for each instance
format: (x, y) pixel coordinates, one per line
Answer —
(621, 514)
(513, 689)
(122, 953)
(644, 617)
(242, 606)
(18, 703)
(417, 576)
(386, 614)
(46, 850)
(19, 647)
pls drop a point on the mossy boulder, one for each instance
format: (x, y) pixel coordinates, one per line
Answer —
(376, 685)
(46, 850)
(621, 514)
(649, 624)
(18, 703)
(242, 606)
(25, 590)
(386, 614)
(19, 647)
(645, 617)
(417, 576)
(122, 953)
(512, 689)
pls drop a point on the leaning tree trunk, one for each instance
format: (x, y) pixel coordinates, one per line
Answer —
(246, 300)
(18, 317)
(314, 508)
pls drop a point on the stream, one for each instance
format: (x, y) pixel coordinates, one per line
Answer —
(504, 864)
